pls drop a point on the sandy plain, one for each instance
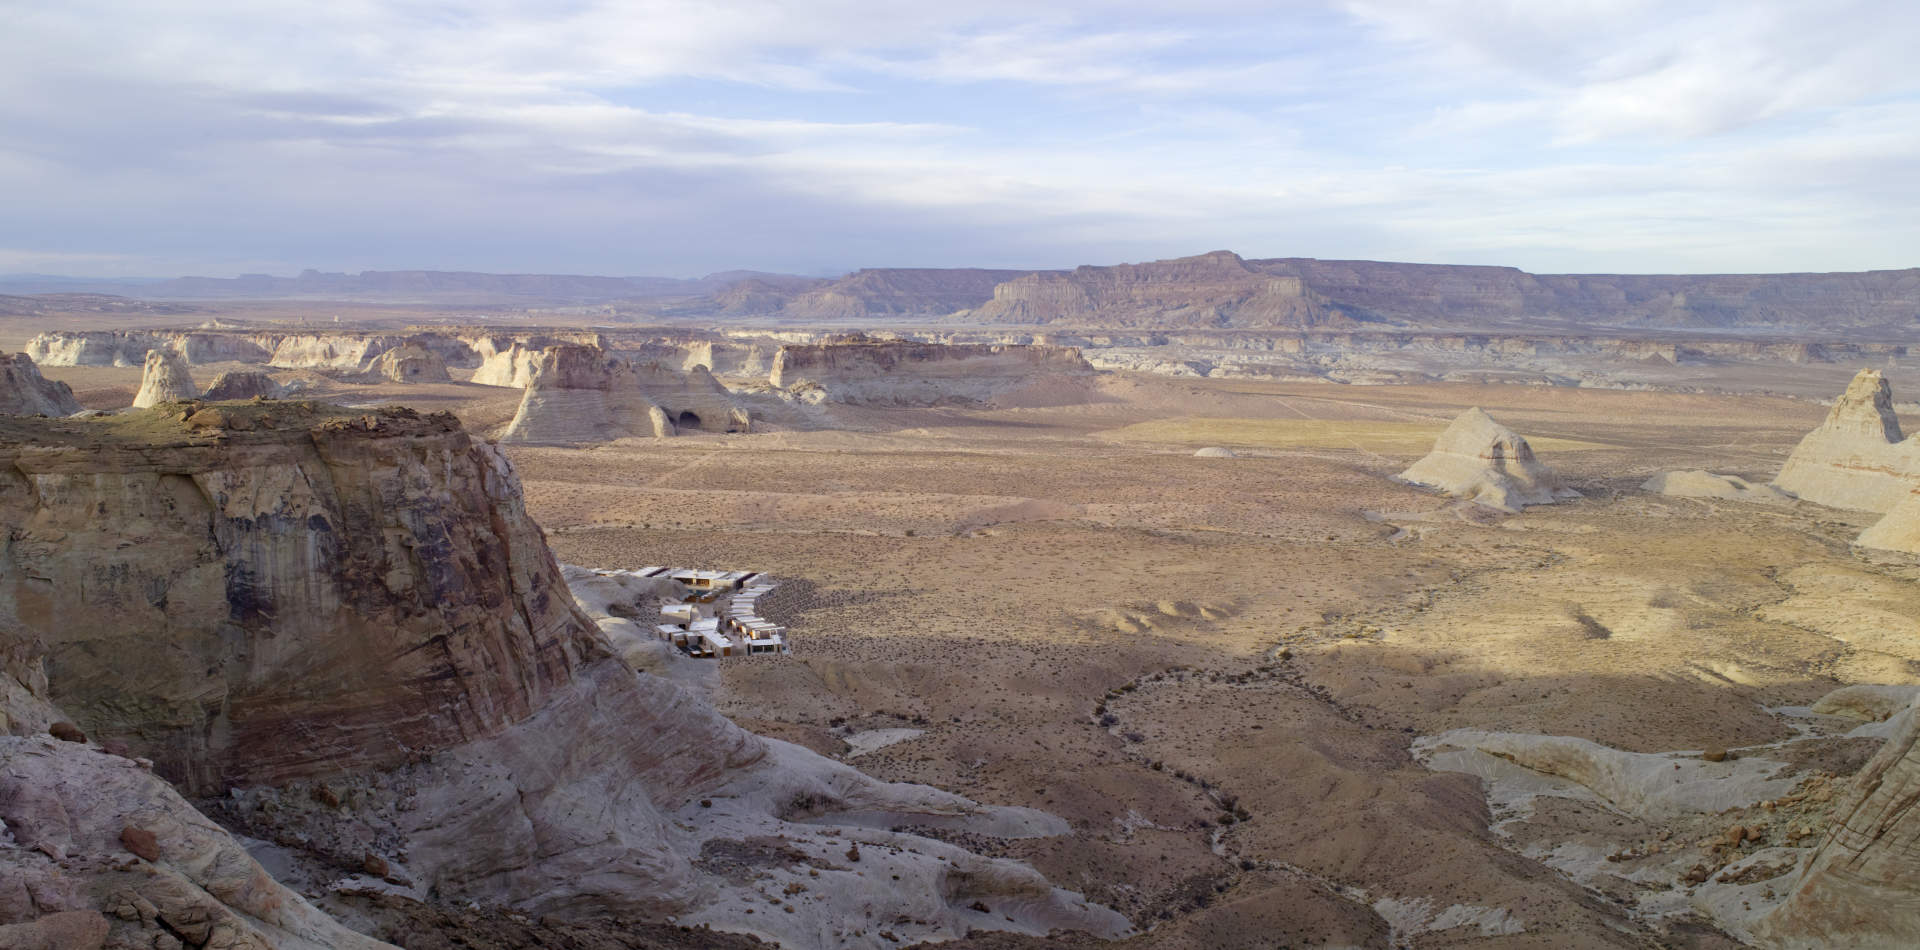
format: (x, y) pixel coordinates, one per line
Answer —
(1216, 669)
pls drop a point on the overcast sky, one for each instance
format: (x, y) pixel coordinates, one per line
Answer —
(814, 136)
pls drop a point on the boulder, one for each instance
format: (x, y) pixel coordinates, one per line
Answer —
(165, 379)
(24, 392)
(1481, 460)
(1857, 459)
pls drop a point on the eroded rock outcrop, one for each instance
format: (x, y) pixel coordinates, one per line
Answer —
(1481, 460)
(24, 392)
(1857, 458)
(346, 624)
(580, 394)
(1897, 530)
(1862, 887)
(165, 379)
(899, 372)
(1703, 484)
(411, 362)
(242, 384)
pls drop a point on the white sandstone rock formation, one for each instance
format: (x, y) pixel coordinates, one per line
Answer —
(24, 392)
(863, 370)
(1857, 458)
(1898, 529)
(580, 394)
(1867, 702)
(1703, 484)
(1481, 460)
(165, 380)
(411, 363)
(1215, 452)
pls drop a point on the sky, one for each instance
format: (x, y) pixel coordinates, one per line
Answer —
(659, 137)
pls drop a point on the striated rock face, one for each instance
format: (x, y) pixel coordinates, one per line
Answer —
(24, 392)
(898, 372)
(1857, 458)
(314, 590)
(1479, 459)
(165, 380)
(412, 363)
(242, 384)
(345, 623)
(129, 347)
(1212, 290)
(1862, 887)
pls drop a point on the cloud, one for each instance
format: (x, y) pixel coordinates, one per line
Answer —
(678, 137)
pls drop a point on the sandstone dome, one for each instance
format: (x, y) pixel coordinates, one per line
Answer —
(412, 363)
(1215, 452)
(1481, 460)
(24, 392)
(165, 379)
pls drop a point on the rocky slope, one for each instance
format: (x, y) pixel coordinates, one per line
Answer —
(345, 625)
(1857, 458)
(164, 379)
(1483, 461)
(899, 372)
(24, 392)
(1858, 890)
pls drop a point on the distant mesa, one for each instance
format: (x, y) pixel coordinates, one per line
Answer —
(1702, 484)
(1483, 461)
(1219, 289)
(165, 379)
(24, 392)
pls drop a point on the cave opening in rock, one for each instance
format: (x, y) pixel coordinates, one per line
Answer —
(687, 420)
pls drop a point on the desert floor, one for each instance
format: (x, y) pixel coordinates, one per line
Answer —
(1215, 668)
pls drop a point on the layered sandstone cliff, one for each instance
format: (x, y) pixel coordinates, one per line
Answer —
(1481, 460)
(345, 624)
(1857, 458)
(899, 372)
(24, 392)
(164, 379)
(411, 362)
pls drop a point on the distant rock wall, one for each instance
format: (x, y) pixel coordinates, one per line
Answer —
(898, 372)
(1211, 290)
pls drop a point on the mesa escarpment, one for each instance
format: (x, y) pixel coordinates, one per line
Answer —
(24, 392)
(901, 372)
(345, 625)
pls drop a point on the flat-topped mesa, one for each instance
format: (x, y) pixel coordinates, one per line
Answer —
(1857, 459)
(1210, 290)
(411, 362)
(1862, 887)
(1481, 460)
(901, 372)
(165, 379)
(24, 392)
